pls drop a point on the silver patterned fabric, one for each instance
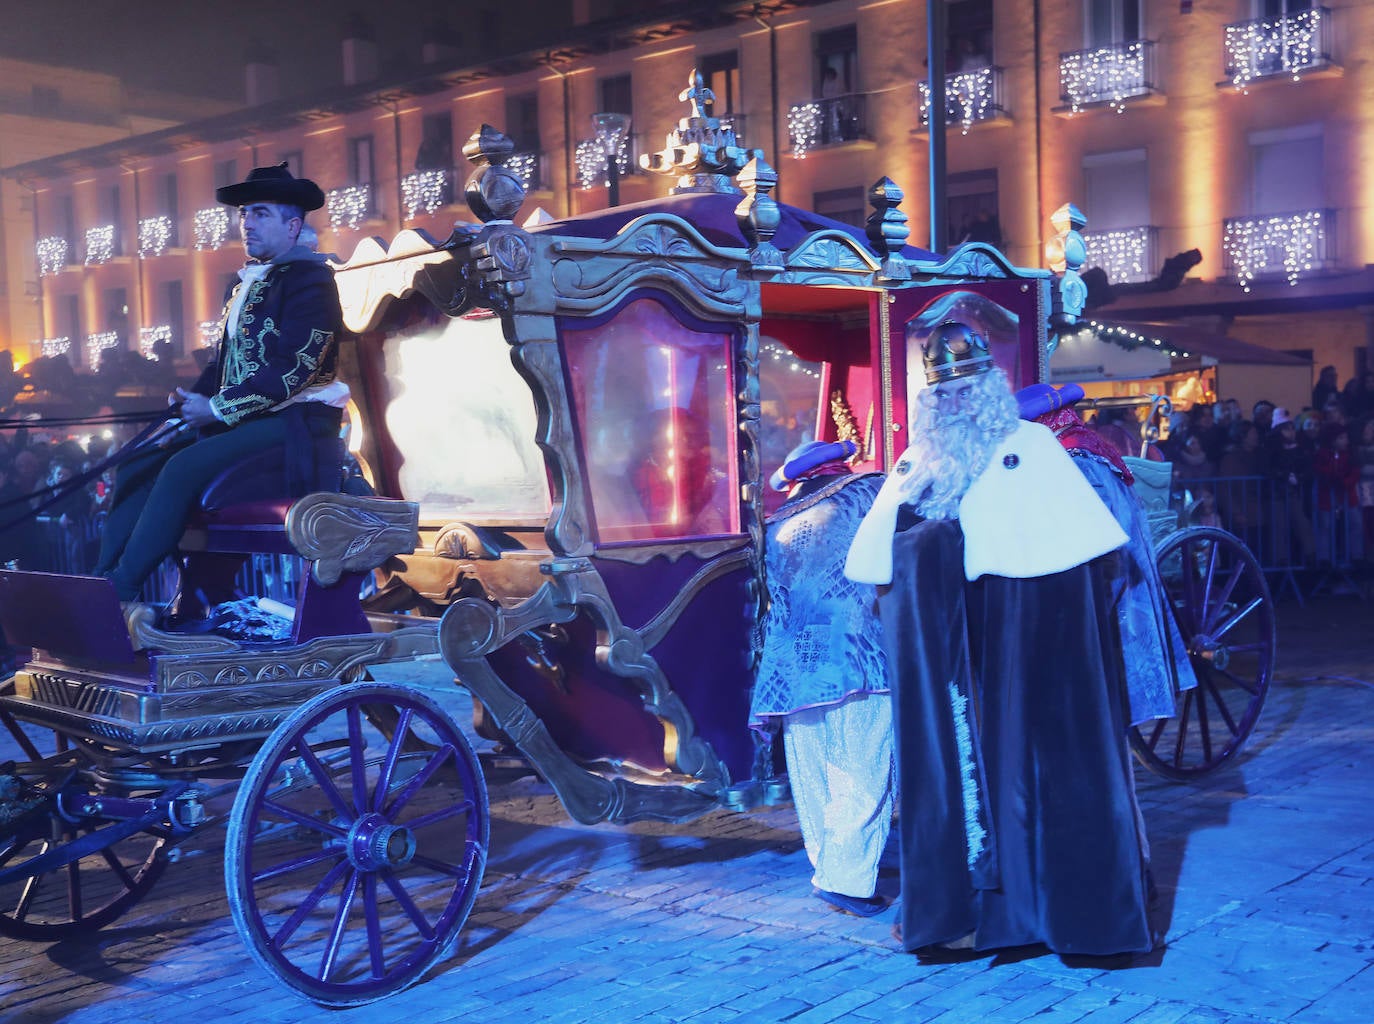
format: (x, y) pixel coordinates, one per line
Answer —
(822, 636)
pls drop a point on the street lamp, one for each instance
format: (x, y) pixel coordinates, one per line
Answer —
(611, 132)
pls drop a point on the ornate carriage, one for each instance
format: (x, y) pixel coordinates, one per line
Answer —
(571, 420)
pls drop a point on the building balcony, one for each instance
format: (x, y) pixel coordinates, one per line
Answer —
(212, 227)
(1269, 47)
(350, 205)
(59, 346)
(593, 166)
(53, 253)
(100, 245)
(826, 122)
(970, 97)
(1292, 244)
(1124, 254)
(149, 338)
(532, 169)
(1109, 75)
(156, 235)
(423, 192)
(97, 343)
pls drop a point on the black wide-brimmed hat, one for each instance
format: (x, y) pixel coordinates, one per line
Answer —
(272, 185)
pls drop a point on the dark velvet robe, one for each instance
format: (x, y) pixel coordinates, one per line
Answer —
(1034, 775)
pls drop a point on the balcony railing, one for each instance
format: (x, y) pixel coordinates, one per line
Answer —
(826, 122)
(1125, 254)
(1289, 45)
(98, 343)
(212, 227)
(530, 166)
(423, 192)
(155, 235)
(970, 96)
(592, 162)
(149, 338)
(100, 244)
(52, 253)
(1109, 74)
(1292, 244)
(56, 346)
(349, 206)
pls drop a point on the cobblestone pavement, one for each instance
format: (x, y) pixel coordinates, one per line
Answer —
(1265, 869)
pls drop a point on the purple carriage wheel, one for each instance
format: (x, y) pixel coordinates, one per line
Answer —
(1226, 615)
(61, 879)
(354, 852)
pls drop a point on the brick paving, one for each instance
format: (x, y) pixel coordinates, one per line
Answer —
(1265, 869)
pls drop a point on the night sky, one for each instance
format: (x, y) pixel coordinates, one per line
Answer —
(199, 47)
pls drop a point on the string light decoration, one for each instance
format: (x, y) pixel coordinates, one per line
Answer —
(51, 253)
(1294, 241)
(56, 346)
(779, 354)
(211, 227)
(99, 245)
(1264, 47)
(154, 235)
(526, 165)
(970, 96)
(98, 343)
(804, 122)
(209, 333)
(150, 337)
(1124, 253)
(1130, 340)
(424, 192)
(349, 206)
(1109, 74)
(591, 162)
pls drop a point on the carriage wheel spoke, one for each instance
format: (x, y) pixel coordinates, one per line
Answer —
(301, 818)
(311, 901)
(117, 866)
(1183, 717)
(443, 814)
(413, 912)
(326, 784)
(393, 754)
(373, 924)
(336, 933)
(1220, 702)
(421, 777)
(357, 752)
(1235, 619)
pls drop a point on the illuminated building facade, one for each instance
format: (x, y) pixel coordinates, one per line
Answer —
(1240, 128)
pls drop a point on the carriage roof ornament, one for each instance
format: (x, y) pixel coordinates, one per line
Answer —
(703, 150)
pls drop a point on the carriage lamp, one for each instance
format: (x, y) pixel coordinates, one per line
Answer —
(611, 131)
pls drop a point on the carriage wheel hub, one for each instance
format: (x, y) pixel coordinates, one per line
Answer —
(374, 843)
(1219, 655)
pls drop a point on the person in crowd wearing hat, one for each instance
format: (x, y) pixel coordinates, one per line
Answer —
(822, 679)
(1017, 818)
(270, 385)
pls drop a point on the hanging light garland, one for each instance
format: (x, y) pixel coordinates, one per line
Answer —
(1270, 46)
(591, 162)
(51, 253)
(972, 91)
(56, 346)
(525, 165)
(804, 127)
(99, 245)
(211, 227)
(150, 337)
(1131, 340)
(1110, 74)
(209, 333)
(98, 343)
(349, 207)
(424, 191)
(1124, 253)
(1297, 241)
(154, 234)
(779, 354)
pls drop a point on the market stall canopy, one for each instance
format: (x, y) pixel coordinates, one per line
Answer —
(1117, 350)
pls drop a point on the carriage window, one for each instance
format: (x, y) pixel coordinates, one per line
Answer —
(789, 404)
(655, 410)
(465, 421)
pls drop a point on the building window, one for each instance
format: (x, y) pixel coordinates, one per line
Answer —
(837, 61)
(1116, 202)
(168, 201)
(1109, 22)
(522, 122)
(969, 31)
(360, 163)
(109, 215)
(436, 143)
(616, 95)
(173, 315)
(226, 173)
(1286, 170)
(845, 205)
(720, 71)
(1281, 8)
(971, 207)
(293, 163)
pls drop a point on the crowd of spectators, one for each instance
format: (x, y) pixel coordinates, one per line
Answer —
(1296, 485)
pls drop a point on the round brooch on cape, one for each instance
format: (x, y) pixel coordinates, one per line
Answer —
(1011, 461)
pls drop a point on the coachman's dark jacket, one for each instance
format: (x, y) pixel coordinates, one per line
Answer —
(284, 340)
